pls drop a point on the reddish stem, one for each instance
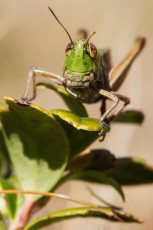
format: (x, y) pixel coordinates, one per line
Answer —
(24, 214)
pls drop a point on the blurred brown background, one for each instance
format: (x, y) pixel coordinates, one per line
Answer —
(29, 35)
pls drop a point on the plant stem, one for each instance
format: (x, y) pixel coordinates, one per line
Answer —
(23, 215)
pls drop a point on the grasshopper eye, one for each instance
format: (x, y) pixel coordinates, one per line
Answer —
(69, 48)
(93, 50)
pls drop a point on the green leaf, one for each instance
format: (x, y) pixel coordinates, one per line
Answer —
(37, 144)
(83, 123)
(96, 159)
(2, 223)
(131, 171)
(80, 130)
(10, 199)
(94, 177)
(4, 160)
(130, 116)
(73, 104)
(3, 107)
(100, 212)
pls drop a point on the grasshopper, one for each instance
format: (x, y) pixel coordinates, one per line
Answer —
(88, 76)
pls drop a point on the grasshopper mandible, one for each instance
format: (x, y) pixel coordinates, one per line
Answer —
(87, 75)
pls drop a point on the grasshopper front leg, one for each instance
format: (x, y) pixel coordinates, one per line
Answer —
(116, 98)
(126, 101)
(33, 73)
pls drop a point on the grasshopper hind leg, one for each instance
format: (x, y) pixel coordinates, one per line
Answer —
(117, 76)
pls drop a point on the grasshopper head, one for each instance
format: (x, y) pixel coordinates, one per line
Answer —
(79, 66)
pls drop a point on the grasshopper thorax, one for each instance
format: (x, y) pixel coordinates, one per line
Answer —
(80, 67)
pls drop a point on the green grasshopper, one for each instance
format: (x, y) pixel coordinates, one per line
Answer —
(87, 75)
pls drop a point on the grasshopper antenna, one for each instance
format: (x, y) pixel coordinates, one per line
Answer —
(90, 36)
(60, 24)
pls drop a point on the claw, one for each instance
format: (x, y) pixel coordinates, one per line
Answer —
(23, 101)
(102, 132)
(102, 137)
